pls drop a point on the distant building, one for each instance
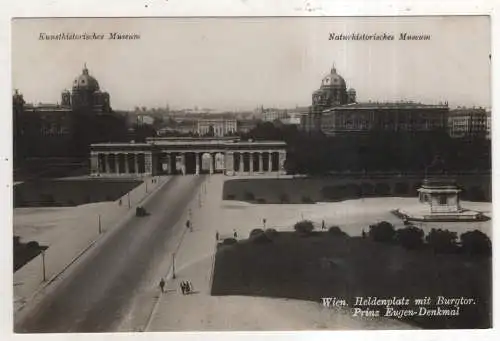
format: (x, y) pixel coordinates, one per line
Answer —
(469, 122)
(217, 126)
(363, 117)
(245, 125)
(335, 110)
(84, 116)
(271, 115)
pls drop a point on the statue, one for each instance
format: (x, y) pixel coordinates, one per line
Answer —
(437, 167)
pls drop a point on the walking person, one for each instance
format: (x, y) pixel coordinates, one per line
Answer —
(162, 285)
(323, 224)
(235, 234)
(183, 287)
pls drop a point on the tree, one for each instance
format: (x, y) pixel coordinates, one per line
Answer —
(382, 232)
(410, 237)
(442, 241)
(475, 243)
(336, 231)
(304, 227)
(256, 232)
(258, 236)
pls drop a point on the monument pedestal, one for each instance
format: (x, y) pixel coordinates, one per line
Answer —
(440, 202)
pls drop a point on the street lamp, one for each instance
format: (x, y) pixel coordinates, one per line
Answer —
(173, 265)
(99, 222)
(43, 265)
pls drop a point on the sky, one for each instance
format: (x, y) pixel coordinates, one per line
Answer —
(243, 63)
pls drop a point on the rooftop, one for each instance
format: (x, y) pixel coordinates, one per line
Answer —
(389, 105)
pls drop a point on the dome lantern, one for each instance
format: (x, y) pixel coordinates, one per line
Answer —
(85, 81)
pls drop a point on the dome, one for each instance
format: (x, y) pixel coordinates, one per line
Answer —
(333, 79)
(85, 81)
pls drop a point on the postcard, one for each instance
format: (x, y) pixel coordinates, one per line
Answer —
(251, 174)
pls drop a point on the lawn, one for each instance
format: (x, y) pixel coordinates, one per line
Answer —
(322, 265)
(24, 252)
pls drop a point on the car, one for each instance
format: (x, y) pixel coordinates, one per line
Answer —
(140, 212)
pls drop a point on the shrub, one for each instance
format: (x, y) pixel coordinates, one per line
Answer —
(271, 233)
(442, 240)
(382, 232)
(307, 199)
(382, 189)
(284, 198)
(475, 194)
(401, 188)
(353, 190)
(32, 245)
(336, 231)
(229, 241)
(410, 237)
(256, 232)
(475, 243)
(304, 227)
(261, 201)
(249, 196)
(367, 189)
(261, 238)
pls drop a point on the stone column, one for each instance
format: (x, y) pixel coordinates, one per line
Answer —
(241, 163)
(94, 163)
(282, 158)
(270, 162)
(261, 168)
(127, 168)
(136, 160)
(251, 162)
(166, 161)
(229, 163)
(211, 163)
(148, 163)
(183, 160)
(107, 162)
(197, 157)
(154, 162)
(117, 163)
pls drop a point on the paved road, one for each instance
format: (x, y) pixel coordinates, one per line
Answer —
(94, 295)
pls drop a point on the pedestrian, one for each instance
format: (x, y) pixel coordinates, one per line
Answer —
(186, 287)
(190, 285)
(162, 285)
(217, 236)
(235, 234)
(120, 202)
(323, 224)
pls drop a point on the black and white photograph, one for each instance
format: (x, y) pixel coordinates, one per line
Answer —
(195, 174)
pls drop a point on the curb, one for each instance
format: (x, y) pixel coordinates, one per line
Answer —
(168, 276)
(86, 248)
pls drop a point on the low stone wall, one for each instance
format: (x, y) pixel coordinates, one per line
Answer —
(328, 189)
